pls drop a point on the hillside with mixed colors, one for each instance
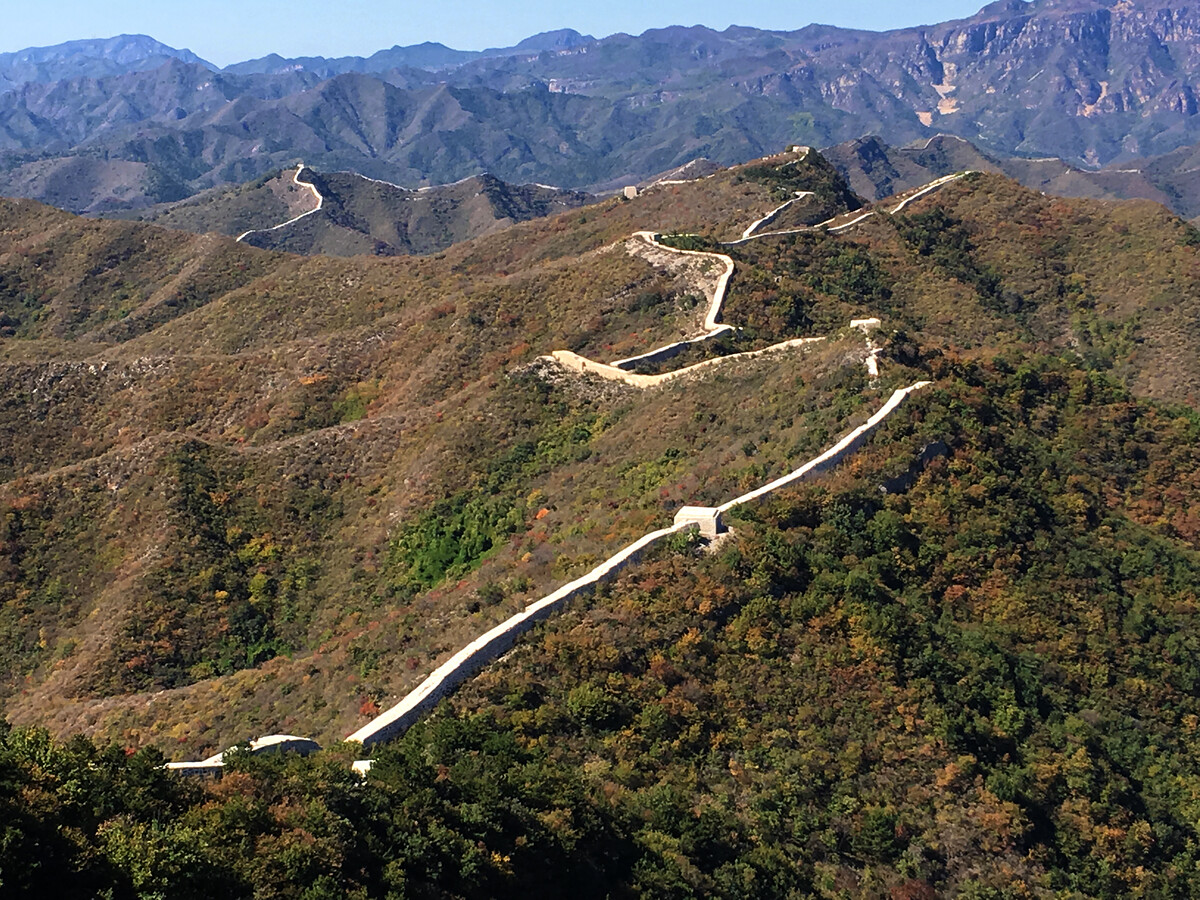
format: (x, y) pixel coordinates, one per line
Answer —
(247, 492)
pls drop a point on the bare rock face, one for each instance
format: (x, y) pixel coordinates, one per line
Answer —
(1087, 80)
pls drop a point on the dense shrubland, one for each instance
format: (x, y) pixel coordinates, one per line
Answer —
(981, 686)
(283, 504)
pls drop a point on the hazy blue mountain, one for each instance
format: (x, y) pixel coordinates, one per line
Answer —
(428, 55)
(1094, 83)
(95, 58)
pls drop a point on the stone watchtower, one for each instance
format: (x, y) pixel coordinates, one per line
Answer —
(707, 517)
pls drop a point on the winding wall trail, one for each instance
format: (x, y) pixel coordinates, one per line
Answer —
(619, 370)
(836, 229)
(584, 366)
(758, 223)
(499, 640)
(295, 180)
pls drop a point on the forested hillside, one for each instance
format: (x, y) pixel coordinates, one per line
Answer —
(247, 493)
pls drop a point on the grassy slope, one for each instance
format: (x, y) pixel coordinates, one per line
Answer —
(263, 465)
(195, 487)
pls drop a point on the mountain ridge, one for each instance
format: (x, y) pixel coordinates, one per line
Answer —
(245, 492)
(1092, 83)
(360, 214)
(876, 170)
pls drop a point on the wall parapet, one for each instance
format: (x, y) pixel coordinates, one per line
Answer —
(498, 641)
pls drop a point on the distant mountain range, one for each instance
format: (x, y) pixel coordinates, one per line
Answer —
(97, 58)
(128, 53)
(428, 55)
(99, 126)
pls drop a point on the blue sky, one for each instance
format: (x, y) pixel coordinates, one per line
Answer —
(225, 31)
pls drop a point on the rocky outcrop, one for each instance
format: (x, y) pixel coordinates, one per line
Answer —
(1089, 80)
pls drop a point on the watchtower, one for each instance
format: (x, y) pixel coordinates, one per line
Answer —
(707, 517)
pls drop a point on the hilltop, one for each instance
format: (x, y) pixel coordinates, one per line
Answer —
(361, 215)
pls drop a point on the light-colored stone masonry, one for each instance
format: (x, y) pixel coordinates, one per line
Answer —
(706, 517)
(295, 180)
(499, 640)
(272, 743)
(584, 366)
(495, 643)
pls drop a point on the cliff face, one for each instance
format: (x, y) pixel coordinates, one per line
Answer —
(1089, 80)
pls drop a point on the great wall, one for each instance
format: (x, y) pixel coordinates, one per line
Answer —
(305, 184)
(706, 520)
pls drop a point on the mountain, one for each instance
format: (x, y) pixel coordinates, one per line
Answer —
(427, 55)
(220, 361)
(96, 58)
(1093, 83)
(362, 215)
(876, 170)
(245, 492)
(561, 39)
(193, 129)
(1173, 173)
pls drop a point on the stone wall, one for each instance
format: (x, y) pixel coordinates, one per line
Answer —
(833, 455)
(495, 643)
(500, 639)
